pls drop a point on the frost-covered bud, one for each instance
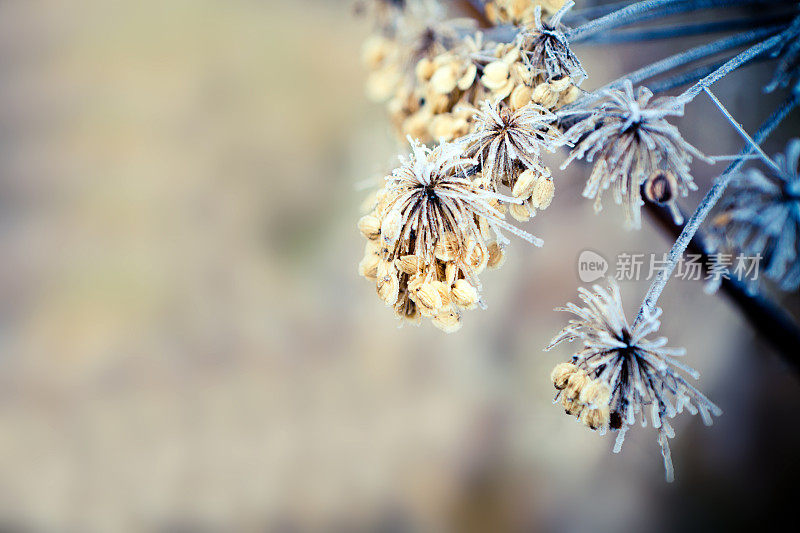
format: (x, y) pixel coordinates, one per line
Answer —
(544, 95)
(560, 84)
(561, 374)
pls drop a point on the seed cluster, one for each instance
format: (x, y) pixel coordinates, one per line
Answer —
(581, 396)
(432, 93)
(432, 231)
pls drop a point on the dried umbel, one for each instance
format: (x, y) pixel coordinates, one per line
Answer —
(628, 138)
(507, 145)
(760, 217)
(620, 370)
(546, 48)
(431, 234)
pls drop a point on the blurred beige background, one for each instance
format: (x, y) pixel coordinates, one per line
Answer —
(185, 343)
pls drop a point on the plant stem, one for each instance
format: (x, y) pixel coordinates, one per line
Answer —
(770, 321)
(684, 30)
(708, 202)
(647, 10)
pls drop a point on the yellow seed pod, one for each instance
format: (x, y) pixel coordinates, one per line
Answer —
(497, 256)
(504, 91)
(444, 127)
(478, 257)
(374, 50)
(464, 294)
(575, 383)
(424, 69)
(407, 264)
(570, 95)
(595, 394)
(595, 418)
(560, 84)
(524, 185)
(417, 124)
(368, 267)
(382, 83)
(387, 284)
(447, 321)
(495, 75)
(543, 192)
(571, 407)
(444, 292)
(544, 96)
(445, 79)
(520, 96)
(561, 373)
(446, 248)
(370, 226)
(521, 74)
(427, 298)
(520, 212)
(406, 309)
(468, 78)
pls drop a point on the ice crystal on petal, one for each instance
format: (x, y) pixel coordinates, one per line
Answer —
(436, 229)
(643, 376)
(628, 138)
(760, 217)
(546, 48)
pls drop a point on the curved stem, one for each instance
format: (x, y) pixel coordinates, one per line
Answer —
(708, 202)
(646, 10)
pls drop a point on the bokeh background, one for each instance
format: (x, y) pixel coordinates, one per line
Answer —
(185, 343)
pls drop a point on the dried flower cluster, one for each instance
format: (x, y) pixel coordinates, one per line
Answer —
(628, 138)
(507, 145)
(760, 216)
(434, 77)
(642, 376)
(433, 230)
(546, 48)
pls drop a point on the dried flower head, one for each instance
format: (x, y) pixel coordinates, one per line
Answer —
(431, 234)
(546, 47)
(788, 70)
(508, 145)
(760, 216)
(641, 376)
(628, 134)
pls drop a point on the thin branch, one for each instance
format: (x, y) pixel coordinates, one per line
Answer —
(769, 321)
(708, 202)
